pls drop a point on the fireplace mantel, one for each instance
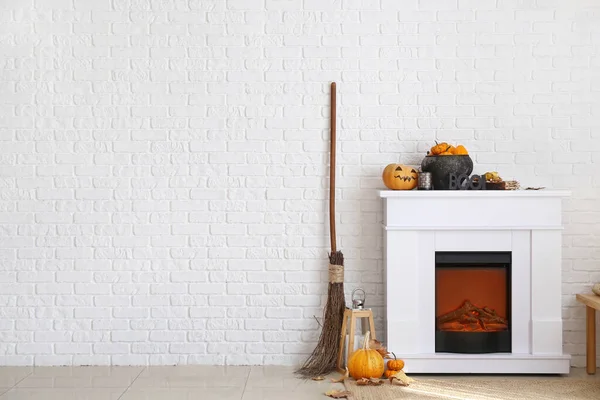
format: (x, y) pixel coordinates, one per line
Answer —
(526, 223)
(471, 193)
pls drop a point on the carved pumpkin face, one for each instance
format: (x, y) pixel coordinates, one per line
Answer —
(400, 177)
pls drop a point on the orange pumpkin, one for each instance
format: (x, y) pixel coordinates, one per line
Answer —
(365, 362)
(395, 364)
(389, 373)
(439, 148)
(400, 177)
(460, 151)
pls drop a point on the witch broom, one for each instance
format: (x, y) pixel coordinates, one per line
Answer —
(324, 357)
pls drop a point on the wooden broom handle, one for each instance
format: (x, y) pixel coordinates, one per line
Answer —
(332, 171)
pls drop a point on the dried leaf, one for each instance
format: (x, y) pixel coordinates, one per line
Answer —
(341, 378)
(401, 379)
(369, 382)
(338, 394)
(384, 353)
(379, 347)
(318, 378)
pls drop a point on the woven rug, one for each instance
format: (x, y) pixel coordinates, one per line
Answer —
(481, 388)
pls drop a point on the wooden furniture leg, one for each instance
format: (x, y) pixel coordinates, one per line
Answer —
(342, 342)
(591, 340)
(353, 315)
(372, 326)
(351, 334)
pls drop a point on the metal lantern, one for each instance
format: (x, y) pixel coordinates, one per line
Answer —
(358, 300)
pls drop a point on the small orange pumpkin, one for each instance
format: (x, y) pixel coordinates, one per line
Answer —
(439, 148)
(389, 373)
(395, 364)
(460, 151)
(400, 177)
(365, 362)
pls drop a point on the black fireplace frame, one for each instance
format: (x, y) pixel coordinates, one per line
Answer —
(475, 342)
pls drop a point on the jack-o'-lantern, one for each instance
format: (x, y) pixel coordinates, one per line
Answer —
(400, 177)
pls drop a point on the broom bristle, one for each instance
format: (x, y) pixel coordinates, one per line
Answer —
(323, 359)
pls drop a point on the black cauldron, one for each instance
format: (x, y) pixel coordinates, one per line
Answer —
(441, 167)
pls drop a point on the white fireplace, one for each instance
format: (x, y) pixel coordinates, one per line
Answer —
(420, 227)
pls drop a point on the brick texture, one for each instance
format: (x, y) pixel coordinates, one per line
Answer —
(163, 164)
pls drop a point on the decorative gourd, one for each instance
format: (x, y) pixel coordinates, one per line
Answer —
(395, 364)
(365, 362)
(400, 177)
(445, 149)
(460, 151)
(439, 148)
(389, 373)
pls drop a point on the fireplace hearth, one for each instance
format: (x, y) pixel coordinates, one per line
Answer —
(472, 297)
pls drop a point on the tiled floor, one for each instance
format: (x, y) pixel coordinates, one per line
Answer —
(157, 383)
(168, 383)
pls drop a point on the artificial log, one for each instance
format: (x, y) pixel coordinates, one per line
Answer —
(469, 317)
(456, 314)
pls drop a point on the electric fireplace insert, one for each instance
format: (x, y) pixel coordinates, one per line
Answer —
(472, 302)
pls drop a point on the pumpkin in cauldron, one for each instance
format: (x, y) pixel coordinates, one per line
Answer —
(400, 177)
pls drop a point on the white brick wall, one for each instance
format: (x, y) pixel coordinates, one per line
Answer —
(163, 163)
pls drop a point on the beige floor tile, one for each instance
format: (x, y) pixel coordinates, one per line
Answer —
(86, 371)
(188, 382)
(9, 376)
(62, 394)
(273, 377)
(580, 373)
(196, 376)
(196, 370)
(315, 392)
(81, 377)
(271, 383)
(272, 371)
(222, 393)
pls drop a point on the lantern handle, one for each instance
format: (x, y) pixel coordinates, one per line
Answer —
(364, 295)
